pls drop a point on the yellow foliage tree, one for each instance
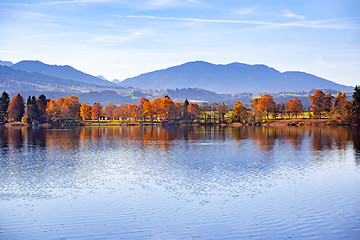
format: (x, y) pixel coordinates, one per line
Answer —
(85, 111)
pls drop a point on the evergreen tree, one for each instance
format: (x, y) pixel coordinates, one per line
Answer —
(356, 104)
(41, 103)
(32, 110)
(4, 104)
(185, 109)
(43, 99)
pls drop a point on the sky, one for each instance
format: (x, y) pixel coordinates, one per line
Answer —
(119, 39)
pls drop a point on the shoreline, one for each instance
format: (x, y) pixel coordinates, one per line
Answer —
(271, 123)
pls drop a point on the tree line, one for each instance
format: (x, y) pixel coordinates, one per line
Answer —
(41, 110)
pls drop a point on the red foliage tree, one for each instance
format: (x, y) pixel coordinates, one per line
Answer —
(16, 108)
(97, 111)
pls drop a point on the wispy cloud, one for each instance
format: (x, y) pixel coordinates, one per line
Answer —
(160, 4)
(14, 4)
(26, 14)
(244, 11)
(109, 39)
(288, 14)
(55, 2)
(77, 1)
(337, 23)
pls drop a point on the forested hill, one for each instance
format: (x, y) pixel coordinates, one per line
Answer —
(231, 78)
(5, 63)
(63, 72)
(29, 82)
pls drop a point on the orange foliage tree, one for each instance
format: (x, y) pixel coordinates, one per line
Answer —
(157, 106)
(294, 107)
(320, 103)
(193, 111)
(342, 109)
(133, 111)
(149, 110)
(122, 112)
(239, 113)
(16, 108)
(70, 108)
(109, 111)
(266, 105)
(256, 115)
(85, 111)
(168, 108)
(96, 111)
(53, 110)
(125, 111)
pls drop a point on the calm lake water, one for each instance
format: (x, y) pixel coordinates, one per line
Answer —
(180, 183)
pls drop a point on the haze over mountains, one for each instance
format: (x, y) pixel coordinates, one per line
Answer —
(63, 72)
(231, 78)
(197, 81)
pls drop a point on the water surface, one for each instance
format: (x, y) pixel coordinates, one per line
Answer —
(180, 183)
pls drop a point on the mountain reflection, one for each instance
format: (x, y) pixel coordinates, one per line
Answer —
(141, 155)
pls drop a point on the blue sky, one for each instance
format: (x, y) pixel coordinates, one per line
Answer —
(120, 39)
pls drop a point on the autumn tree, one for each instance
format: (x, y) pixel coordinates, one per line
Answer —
(96, 111)
(109, 111)
(133, 111)
(168, 109)
(53, 110)
(266, 105)
(149, 110)
(140, 108)
(193, 111)
(122, 112)
(157, 106)
(320, 103)
(239, 113)
(205, 109)
(294, 107)
(16, 108)
(4, 104)
(280, 109)
(255, 115)
(339, 105)
(221, 109)
(329, 102)
(85, 111)
(342, 109)
(141, 102)
(70, 108)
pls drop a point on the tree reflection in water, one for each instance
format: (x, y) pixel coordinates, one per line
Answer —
(322, 138)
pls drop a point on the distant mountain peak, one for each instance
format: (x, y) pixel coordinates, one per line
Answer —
(117, 81)
(5, 63)
(101, 77)
(59, 71)
(230, 78)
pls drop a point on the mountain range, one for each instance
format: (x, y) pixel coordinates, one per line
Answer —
(62, 72)
(196, 81)
(230, 78)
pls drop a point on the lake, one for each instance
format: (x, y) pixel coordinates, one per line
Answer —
(152, 182)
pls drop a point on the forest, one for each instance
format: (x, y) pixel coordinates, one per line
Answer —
(39, 110)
